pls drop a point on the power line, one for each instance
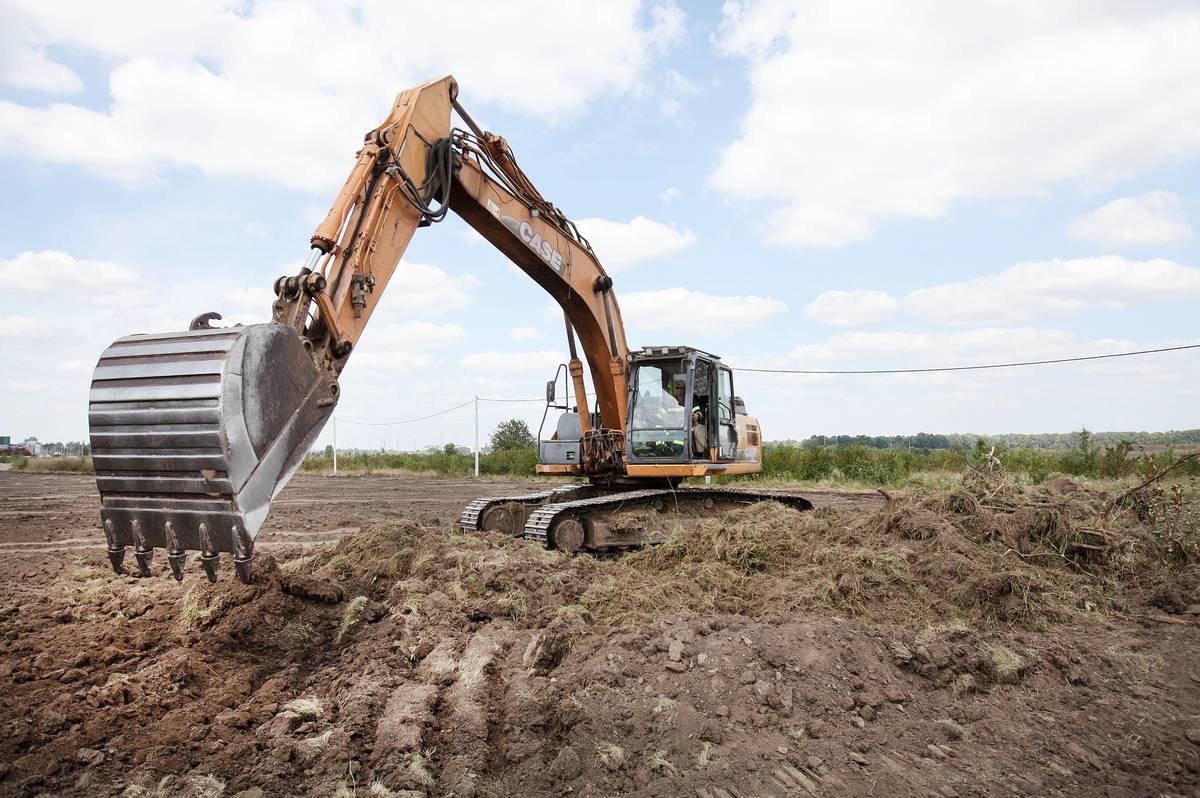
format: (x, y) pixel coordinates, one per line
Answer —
(972, 368)
(407, 420)
(815, 371)
(431, 415)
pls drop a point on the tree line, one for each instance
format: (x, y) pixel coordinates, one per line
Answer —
(1040, 440)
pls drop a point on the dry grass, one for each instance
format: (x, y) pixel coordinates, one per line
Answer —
(306, 708)
(380, 790)
(419, 768)
(659, 763)
(195, 615)
(988, 552)
(351, 616)
(319, 741)
(900, 652)
(1005, 664)
(207, 786)
(612, 756)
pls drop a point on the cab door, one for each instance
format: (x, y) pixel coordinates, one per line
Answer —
(726, 423)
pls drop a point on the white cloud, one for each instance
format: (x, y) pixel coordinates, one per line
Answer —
(620, 245)
(1156, 218)
(960, 347)
(225, 90)
(250, 299)
(419, 289)
(50, 271)
(1033, 290)
(525, 333)
(22, 327)
(670, 194)
(684, 310)
(851, 308)
(28, 386)
(25, 66)
(411, 335)
(1053, 94)
(539, 362)
(390, 361)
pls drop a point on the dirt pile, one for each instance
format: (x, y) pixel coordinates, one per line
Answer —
(947, 644)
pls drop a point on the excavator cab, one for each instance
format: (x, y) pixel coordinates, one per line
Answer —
(681, 407)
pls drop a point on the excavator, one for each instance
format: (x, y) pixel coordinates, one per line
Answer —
(194, 432)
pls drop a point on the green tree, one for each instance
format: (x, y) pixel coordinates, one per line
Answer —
(449, 448)
(512, 434)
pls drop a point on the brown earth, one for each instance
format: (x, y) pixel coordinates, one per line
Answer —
(983, 641)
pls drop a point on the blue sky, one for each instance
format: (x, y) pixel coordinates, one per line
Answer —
(790, 185)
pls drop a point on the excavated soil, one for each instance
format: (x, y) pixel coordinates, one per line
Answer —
(989, 640)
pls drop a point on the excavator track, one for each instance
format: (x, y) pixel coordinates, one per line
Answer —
(576, 525)
(508, 513)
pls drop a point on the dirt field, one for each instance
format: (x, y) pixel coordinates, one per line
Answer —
(976, 643)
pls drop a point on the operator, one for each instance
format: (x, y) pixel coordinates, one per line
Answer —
(680, 391)
(699, 433)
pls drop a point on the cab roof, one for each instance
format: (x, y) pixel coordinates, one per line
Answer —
(655, 352)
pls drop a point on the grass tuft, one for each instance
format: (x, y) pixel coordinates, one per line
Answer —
(306, 708)
(321, 740)
(900, 652)
(351, 616)
(194, 615)
(1006, 664)
(380, 790)
(419, 767)
(660, 764)
(611, 755)
(665, 706)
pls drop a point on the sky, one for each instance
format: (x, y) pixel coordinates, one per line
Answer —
(803, 185)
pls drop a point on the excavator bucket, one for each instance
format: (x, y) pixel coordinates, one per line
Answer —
(193, 433)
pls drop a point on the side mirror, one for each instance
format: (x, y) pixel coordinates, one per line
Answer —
(550, 386)
(739, 406)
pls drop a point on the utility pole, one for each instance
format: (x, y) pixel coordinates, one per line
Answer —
(477, 436)
(335, 446)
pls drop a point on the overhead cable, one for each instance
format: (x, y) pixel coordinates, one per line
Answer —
(970, 368)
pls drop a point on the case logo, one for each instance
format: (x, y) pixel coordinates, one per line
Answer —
(533, 239)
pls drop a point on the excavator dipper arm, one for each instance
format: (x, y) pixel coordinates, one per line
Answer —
(193, 433)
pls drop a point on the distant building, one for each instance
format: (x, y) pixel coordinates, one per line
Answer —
(5, 441)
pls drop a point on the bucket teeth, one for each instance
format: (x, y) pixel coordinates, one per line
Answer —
(194, 432)
(243, 570)
(176, 559)
(210, 561)
(241, 560)
(175, 554)
(144, 557)
(116, 556)
(144, 554)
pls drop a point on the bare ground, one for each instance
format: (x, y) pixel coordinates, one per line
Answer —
(953, 644)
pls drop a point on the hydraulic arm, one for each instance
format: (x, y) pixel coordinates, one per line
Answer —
(411, 170)
(194, 432)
